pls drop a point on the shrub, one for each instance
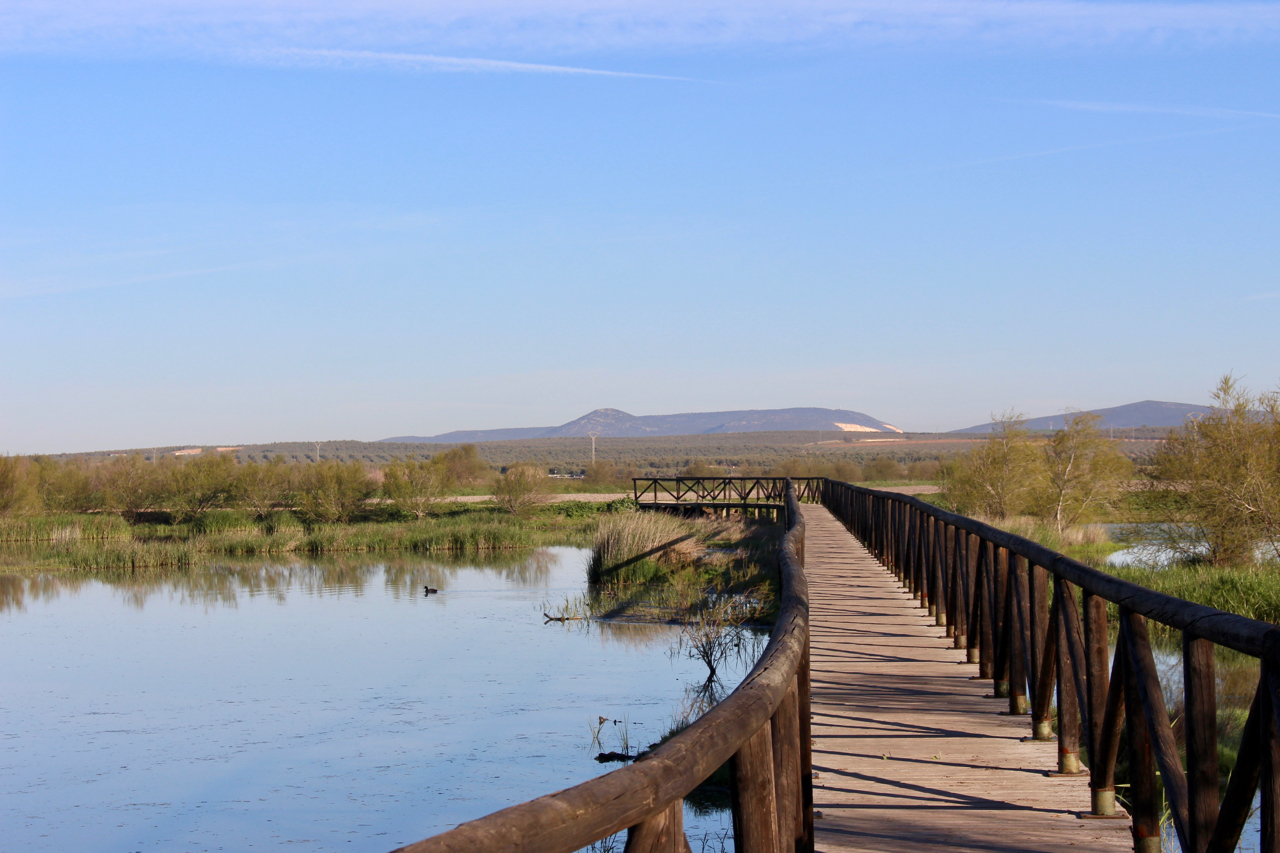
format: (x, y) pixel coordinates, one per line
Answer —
(18, 492)
(131, 486)
(194, 486)
(415, 486)
(264, 488)
(521, 487)
(333, 491)
(883, 468)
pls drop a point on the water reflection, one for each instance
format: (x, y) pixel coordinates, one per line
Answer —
(304, 704)
(224, 582)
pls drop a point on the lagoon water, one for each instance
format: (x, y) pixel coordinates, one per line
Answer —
(311, 706)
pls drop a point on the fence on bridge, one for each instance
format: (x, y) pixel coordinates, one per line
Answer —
(723, 490)
(1035, 622)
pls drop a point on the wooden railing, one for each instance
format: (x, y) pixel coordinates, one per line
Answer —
(761, 728)
(1036, 623)
(723, 490)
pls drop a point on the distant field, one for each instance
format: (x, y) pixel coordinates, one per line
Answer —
(753, 452)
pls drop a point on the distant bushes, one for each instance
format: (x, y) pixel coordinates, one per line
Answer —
(186, 489)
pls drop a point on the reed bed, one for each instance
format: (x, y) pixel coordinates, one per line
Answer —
(640, 547)
(64, 528)
(107, 542)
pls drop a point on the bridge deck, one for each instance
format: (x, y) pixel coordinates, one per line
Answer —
(910, 753)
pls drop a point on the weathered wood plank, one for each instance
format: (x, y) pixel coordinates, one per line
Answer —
(911, 754)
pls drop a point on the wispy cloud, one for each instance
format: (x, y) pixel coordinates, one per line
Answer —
(426, 62)
(1197, 112)
(1071, 149)
(527, 28)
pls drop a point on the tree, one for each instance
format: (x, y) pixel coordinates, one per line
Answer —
(70, 486)
(264, 488)
(333, 491)
(414, 485)
(463, 466)
(521, 487)
(1217, 480)
(198, 484)
(699, 468)
(132, 486)
(882, 468)
(18, 494)
(1083, 472)
(602, 473)
(996, 478)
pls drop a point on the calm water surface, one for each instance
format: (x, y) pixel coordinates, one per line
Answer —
(311, 706)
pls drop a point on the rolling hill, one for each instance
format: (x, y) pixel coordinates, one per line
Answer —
(614, 423)
(1148, 413)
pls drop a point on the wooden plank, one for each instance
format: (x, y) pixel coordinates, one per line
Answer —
(910, 754)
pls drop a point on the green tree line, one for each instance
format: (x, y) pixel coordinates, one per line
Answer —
(185, 488)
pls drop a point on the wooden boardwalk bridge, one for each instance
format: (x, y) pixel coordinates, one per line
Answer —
(911, 750)
(934, 683)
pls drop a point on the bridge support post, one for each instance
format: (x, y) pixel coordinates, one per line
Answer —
(755, 822)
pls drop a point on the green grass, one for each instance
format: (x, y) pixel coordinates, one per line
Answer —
(653, 566)
(106, 542)
(1252, 591)
(63, 528)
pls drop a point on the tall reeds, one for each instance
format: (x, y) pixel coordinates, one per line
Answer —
(639, 547)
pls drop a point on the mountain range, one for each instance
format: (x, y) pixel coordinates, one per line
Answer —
(614, 423)
(1148, 413)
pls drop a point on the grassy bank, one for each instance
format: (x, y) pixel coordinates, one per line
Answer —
(653, 566)
(105, 542)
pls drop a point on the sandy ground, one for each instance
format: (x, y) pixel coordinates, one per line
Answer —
(553, 499)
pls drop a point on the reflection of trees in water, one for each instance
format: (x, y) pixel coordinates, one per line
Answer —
(223, 582)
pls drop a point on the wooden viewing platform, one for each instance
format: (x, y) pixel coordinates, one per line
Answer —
(911, 752)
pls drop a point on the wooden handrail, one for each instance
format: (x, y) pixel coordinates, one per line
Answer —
(991, 590)
(762, 727)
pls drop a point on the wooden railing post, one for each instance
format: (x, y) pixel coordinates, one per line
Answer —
(938, 602)
(986, 599)
(805, 840)
(1144, 798)
(1102, 755)
(755, 824)
(1200, 722)
(1068, 704)
(785, 732)
(1000, 621)
(1038, 593)
(973, 642)
(1019, 633)
(662, 833)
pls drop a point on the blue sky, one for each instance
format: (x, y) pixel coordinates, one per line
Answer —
(296, 220)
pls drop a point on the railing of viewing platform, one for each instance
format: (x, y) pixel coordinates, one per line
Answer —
(761, 729)
(723, 490)
(1036, 623)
